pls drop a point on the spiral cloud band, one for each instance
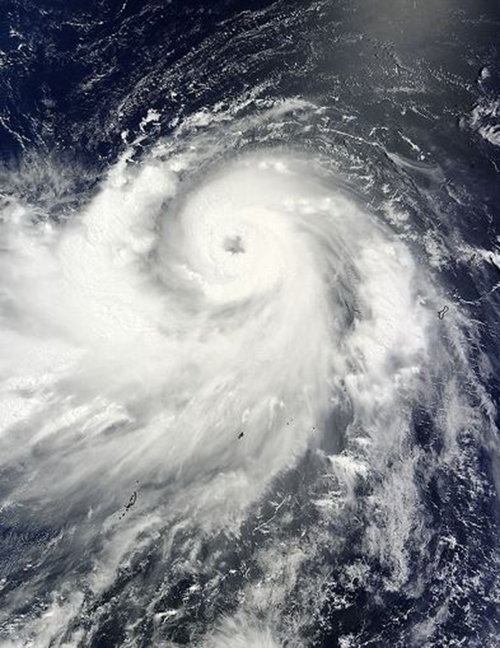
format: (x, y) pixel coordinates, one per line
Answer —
(262, 302)
(187, 339)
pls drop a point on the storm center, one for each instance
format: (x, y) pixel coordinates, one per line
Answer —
(234, 245)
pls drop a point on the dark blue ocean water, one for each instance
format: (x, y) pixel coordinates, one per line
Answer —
(410, 96)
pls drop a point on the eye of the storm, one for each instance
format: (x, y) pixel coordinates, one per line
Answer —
(234, 245)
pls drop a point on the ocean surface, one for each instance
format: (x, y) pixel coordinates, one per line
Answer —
(249, 324)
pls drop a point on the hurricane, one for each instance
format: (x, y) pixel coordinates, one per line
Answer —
(247, 369)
